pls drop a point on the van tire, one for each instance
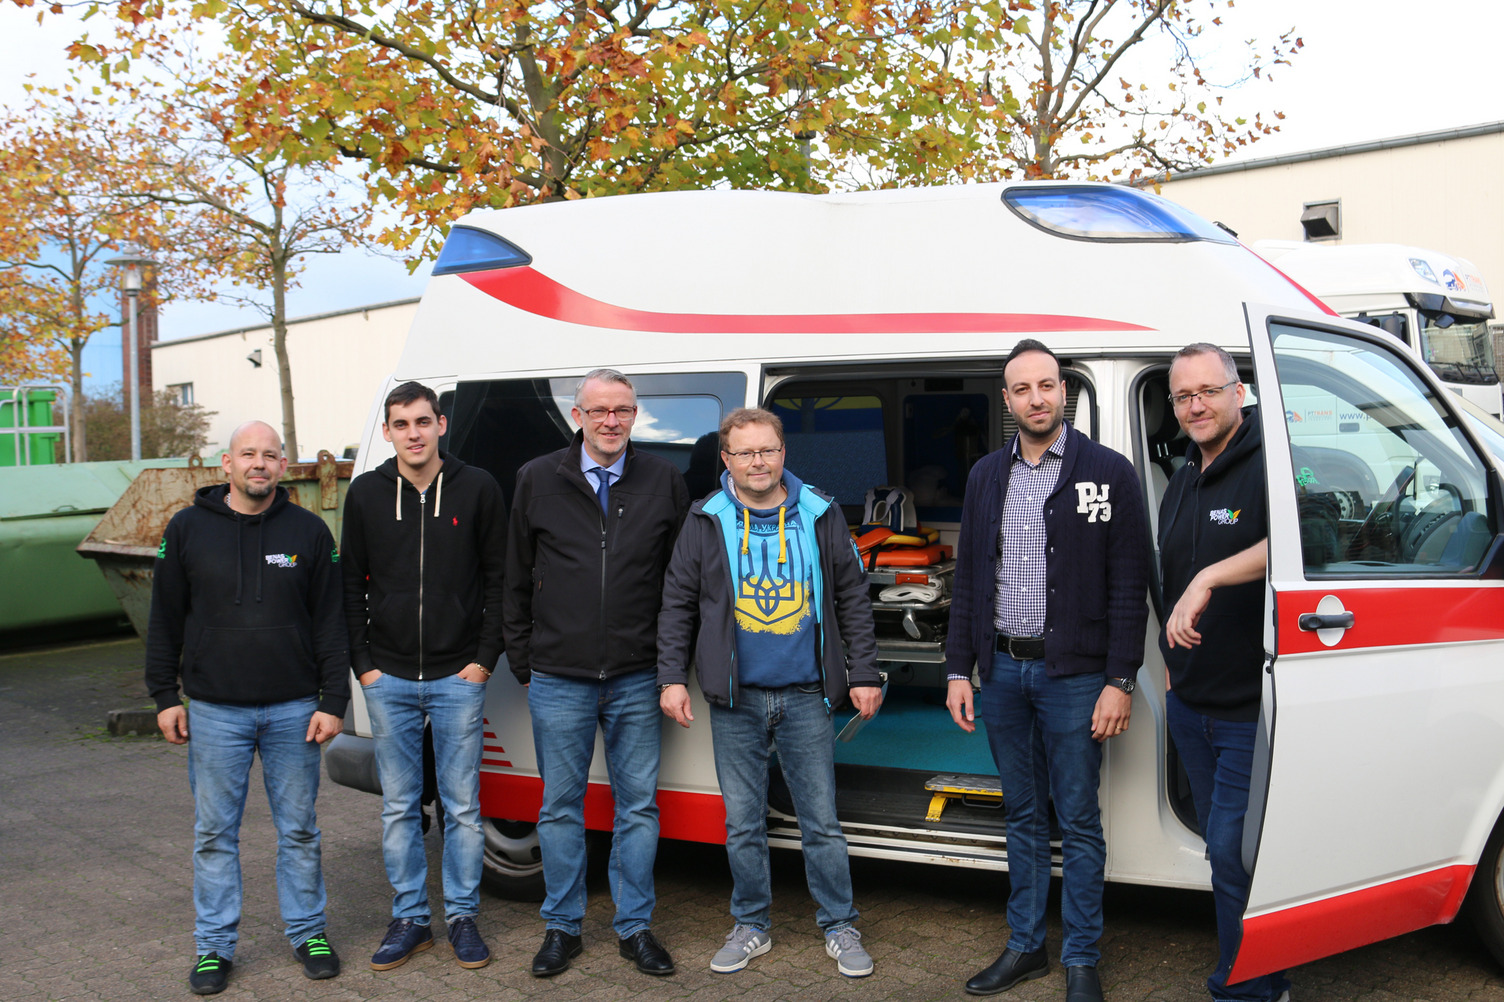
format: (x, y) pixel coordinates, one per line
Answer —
(1485, 898)
(513, 865)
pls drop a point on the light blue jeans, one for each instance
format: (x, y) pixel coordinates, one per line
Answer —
(566, 713)
(794, 720)
(223, 741)
(1040, 732)
(454, 708)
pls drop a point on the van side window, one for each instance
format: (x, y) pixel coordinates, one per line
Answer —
(1385, 481)
(500, 424)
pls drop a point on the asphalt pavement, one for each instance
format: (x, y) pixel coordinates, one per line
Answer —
(96, 834)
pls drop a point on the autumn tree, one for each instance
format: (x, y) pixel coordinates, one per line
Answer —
(258, 202)
(64, 210)
(452, 106)
(1115, 88)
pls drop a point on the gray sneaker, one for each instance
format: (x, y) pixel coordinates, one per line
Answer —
(744, 943)
(845, 945)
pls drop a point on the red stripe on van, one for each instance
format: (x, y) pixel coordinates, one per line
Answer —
(1292, 936)
(536, 293)
(1390, 617)
(1324, 308)
(694, 817)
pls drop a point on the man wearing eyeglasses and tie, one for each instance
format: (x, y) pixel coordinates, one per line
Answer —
(1213, 543)
(592, 528)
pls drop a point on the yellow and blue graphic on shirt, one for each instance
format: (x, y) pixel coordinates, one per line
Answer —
(773, 577)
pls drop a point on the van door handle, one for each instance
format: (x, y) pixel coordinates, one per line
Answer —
(1326, 621)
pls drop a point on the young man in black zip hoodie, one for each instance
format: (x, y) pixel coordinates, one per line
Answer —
(424, 548)
(1213, 541)
(245, 607)
(593, 525)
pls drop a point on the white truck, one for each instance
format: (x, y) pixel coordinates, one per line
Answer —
(1437, 305)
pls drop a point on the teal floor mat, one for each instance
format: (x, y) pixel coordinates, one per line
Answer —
(913, 730)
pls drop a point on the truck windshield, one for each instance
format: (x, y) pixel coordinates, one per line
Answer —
(1461, 352)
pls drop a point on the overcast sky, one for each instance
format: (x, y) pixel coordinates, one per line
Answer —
(1370, 69)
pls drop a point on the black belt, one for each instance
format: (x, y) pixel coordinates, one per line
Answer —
(1019, 648)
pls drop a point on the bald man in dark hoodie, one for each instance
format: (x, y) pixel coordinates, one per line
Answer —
(246, 610)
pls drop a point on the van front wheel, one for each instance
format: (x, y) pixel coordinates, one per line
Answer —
(1485, 899)
(513, 864)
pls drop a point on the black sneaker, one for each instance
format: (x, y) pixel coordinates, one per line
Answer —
(318, 957)
(210, 974)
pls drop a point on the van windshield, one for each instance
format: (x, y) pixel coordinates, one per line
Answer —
(1461, 352)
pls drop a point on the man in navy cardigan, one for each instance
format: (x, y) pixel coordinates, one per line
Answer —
(1049, 602)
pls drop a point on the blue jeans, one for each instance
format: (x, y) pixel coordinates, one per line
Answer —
(223, 741)
(796, 721)
(566, 713)
(453, 706)
(1040, 732)
(1218, 760)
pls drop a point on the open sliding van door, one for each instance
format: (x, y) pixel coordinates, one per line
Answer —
(1383, 711)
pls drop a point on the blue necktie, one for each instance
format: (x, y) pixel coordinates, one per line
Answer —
(603, 487)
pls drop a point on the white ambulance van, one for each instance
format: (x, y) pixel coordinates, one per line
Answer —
(876, 324)
(1436, 304)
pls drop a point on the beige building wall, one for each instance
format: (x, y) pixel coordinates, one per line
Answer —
(338, 362)
(1442, 191)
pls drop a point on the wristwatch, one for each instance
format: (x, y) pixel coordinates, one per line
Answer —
(1126, 684)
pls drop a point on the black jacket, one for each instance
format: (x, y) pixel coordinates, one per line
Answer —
(1096, 564)
(582, 589)
(698, 626)
(246, 607)
(423, 575)
(1206, 516)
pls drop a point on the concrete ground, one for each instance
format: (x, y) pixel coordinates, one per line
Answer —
(95, 875)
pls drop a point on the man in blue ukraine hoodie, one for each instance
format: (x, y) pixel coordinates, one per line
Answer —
(766, 572)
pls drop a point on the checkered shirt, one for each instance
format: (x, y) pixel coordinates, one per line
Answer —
(1018, 608)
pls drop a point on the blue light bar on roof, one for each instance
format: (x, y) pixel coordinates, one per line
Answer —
(469, 249)
(1080, 212)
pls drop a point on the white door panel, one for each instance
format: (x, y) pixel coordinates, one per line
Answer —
(1385, 717)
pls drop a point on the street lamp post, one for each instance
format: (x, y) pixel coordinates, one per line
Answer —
(131, 283)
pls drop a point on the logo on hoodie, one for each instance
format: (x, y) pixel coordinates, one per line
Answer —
(773, 576)
(282, 559)
(1225, 516)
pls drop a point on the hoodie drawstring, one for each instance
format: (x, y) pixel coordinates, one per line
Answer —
(399, 497)
(783, 542)
(239, 560)
(438, 500)
(261, 551)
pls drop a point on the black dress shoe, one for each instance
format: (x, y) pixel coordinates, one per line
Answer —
(1007, 971)
(642, 949)
(553, 957)
(1081, 985)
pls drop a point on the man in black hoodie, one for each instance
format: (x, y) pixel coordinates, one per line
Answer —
(592, 528)
(424, 548)
(245, 607)
(1213, 541)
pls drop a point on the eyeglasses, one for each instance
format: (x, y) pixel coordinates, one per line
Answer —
(744, 458)
(623, 414)
(1209, 394)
